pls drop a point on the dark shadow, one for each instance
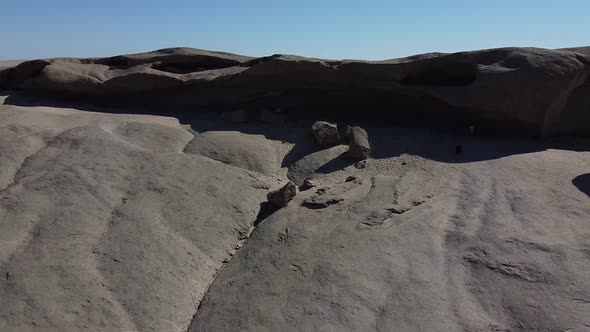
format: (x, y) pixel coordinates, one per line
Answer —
(416, 134)
(336, 164)
(302, 148)
(266, 210)
(582, 182)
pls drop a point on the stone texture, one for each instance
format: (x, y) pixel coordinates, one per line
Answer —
(282, 196)
(359, 145)
(325, 133)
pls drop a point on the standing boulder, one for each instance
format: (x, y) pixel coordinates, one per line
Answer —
(359, 146)
(325, 133)
(282, 196)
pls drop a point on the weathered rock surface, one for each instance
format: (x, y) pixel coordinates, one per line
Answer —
(477, 246)
(105, 224)
(522, 90)
(252, 152)
(111, 221)
(325, 133)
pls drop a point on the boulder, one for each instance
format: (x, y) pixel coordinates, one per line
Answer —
(359, 145)
(282, 196)
(325, 133)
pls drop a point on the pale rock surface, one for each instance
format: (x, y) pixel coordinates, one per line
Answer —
(252, 152)
(105, 224)
(499, 244)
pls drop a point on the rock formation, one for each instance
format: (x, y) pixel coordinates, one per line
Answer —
(116, 221)
(516, 90)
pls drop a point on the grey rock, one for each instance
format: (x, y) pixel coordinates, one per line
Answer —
(282, 196)
(359, 145)
(325, 133)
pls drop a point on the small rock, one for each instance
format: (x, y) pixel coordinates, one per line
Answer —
(404, 163)
(281, 197)
(308, 184)
(325, 133)
(235, 116)
(276, 117)
(350, 178)
(359, 146)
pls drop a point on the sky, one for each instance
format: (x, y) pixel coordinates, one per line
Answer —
(343, 29)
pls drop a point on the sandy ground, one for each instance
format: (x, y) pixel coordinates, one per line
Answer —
(113, 221)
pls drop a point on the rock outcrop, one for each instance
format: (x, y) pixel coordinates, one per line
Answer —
(517, 90)
(114, 221)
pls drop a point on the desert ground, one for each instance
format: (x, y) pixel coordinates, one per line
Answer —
(133, 193)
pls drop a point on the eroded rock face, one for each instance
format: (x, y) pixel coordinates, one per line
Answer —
(106, 224)
(510, 90)
(429, 249)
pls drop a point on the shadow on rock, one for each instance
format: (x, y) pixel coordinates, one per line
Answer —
(266, 210)
(443, 145)
(406, 136)
(582, 182)
(336, 164)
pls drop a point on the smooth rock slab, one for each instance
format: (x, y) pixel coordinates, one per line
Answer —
(251, 152)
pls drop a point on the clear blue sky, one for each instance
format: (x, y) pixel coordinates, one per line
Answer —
(327, 29)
